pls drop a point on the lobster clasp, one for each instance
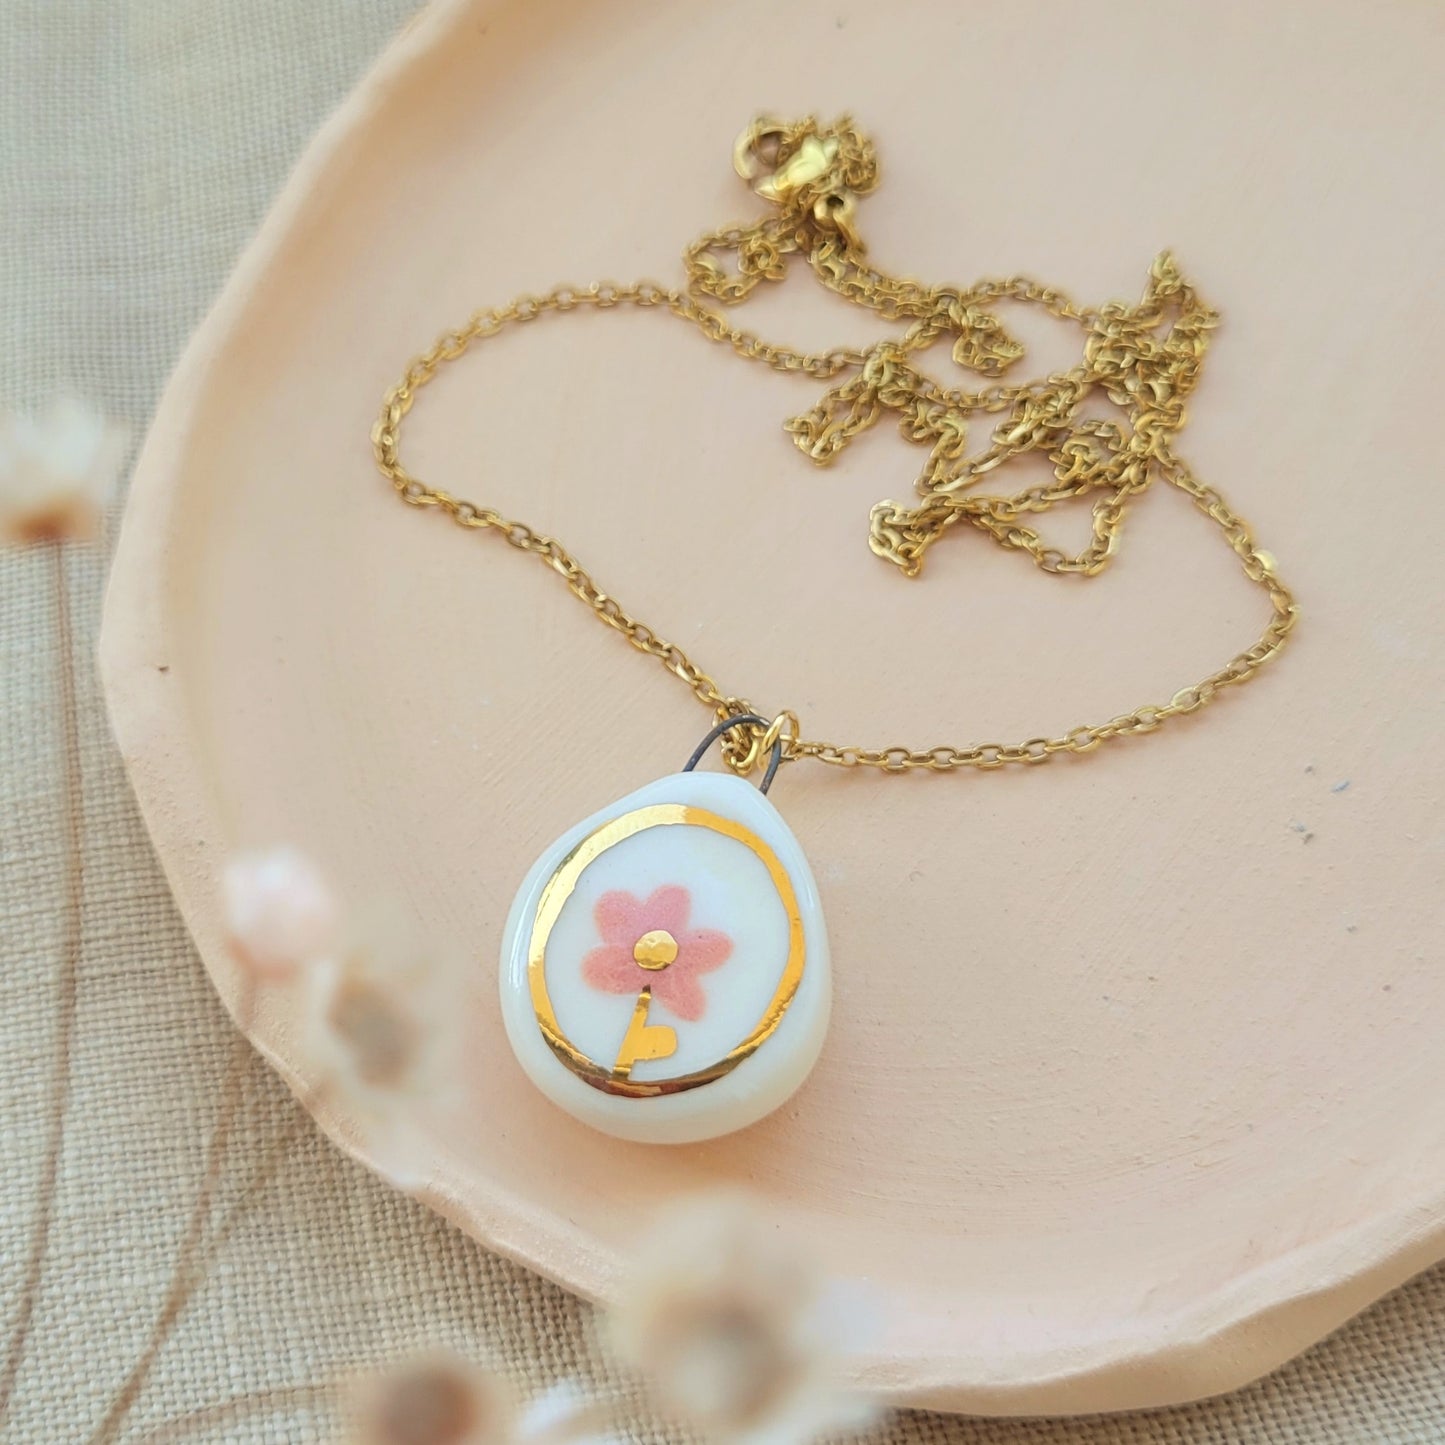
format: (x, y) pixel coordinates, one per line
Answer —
(794, 166)
(807, 166)
(758, 146)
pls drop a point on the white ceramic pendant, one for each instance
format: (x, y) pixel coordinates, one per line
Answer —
(665, 973)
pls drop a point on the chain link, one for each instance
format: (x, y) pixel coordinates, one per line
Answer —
(1145, 358)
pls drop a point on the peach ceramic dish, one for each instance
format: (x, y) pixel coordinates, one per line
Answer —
(1132, 1087)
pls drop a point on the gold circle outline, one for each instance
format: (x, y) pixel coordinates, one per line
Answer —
(559, 889)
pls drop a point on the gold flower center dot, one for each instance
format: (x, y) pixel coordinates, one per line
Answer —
(655, 950)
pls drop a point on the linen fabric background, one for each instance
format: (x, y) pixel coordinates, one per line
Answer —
(140, 141)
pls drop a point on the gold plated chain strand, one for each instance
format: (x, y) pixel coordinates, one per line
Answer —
(1145, 358)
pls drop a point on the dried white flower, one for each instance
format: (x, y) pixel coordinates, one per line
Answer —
(735, 1330)
(280, 913)
(562, 1415)
(436, 1399)
(382, 1036)
(57, 471)
(442, 1399)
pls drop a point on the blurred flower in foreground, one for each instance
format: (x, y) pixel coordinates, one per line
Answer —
(735, 1331)
(437, 1399)
(378, 1034)
(382, 1037)
(280, 914)
(57, 472)
(442, 1399)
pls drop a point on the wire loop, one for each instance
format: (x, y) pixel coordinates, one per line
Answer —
(748, 720)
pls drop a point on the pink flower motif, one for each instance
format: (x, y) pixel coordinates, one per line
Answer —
(647, 943)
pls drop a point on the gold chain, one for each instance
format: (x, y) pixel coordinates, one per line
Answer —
(1145, 358)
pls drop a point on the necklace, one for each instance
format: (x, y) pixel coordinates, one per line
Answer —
(665, 972)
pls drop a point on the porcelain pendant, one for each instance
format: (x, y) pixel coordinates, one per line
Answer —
(665, 974)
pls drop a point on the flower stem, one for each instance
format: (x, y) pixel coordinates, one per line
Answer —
(67, 984)
(197, 1252)
(286, 1397)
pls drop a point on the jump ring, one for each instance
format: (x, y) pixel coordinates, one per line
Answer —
(746, 720)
